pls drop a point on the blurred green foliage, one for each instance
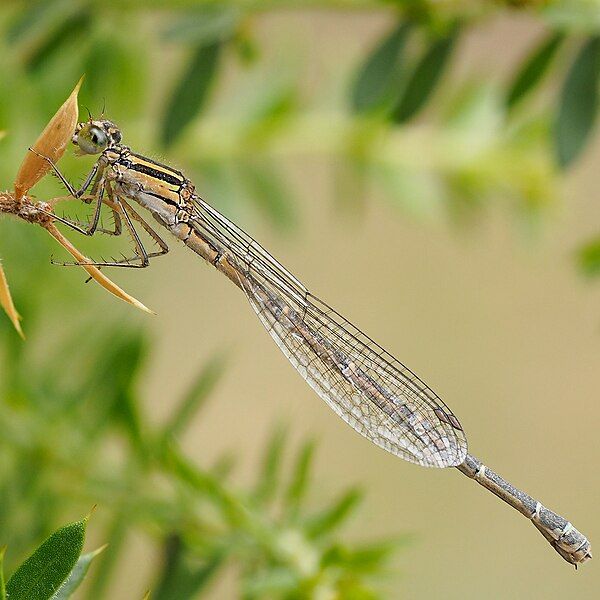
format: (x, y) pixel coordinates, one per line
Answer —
(163, 71)
(579, 102)
(74, 435)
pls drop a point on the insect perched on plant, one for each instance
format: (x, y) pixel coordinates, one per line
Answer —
(372, 391)
(52, 143)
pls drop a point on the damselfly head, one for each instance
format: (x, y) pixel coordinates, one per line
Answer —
(94, 137)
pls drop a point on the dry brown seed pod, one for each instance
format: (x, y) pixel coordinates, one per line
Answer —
(52, 143)
(7, 303)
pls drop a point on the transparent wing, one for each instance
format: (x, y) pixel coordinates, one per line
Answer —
(373, 392)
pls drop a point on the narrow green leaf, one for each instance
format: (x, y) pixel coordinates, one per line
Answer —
(195, 397)
(117, 374)
(326, 521)
(533, 69)
(366, 559)
(269, 193)
(578, 103)
(223, 466)
(299, 483)
(276, 582)
(42, 574)
(425, 77)
(171, 563)
(270, 112)
(205, 25)
(77, 575)
(246, 47)
(180, 578)
(72, 28)
(110, 61)
(35, 19)
(271, 465)
(109, 561)
(589, 258)
(207, 485)
(191, 92)
(2, 584)
(376, 84)
(105, 388)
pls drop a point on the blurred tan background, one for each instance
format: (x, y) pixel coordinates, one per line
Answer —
(497, 321)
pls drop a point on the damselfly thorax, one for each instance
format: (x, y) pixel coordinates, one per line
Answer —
(162, 190)
(171, 199)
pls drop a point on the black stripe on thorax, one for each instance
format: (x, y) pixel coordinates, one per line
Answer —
(163, 198)
(152, 168)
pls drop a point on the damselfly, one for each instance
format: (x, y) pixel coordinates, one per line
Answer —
(365, 385)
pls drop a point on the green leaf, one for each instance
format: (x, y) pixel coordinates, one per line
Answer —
(578, 103)
(299, 483)
(271, 466)
(533, 69)
(77, 575)
(195, 398)
(34, 19)
(276, 582)
(117, 538)
(246, 48)
(366, 559)
(272, 111)
(2, 584)
(42, 574)
(205, 25)
(589, 258)
(71, 29)
(425, 77)
(180, 579)
(268, 192)
(377, 82)
(111, 61)
(223, 466)
(191, 92)
(332, 517)
(116, 374)
(206, 485)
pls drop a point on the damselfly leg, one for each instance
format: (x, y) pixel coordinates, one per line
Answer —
(163, 246)
(117, 223)
(120, 208)
(97, 194)
(71, 189)
(142, 257)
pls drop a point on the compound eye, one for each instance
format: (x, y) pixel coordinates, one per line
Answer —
(98, 137)
(92, 141)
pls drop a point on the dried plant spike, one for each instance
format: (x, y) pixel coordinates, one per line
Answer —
(94, 272)
(52, 143)
(7, 303)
